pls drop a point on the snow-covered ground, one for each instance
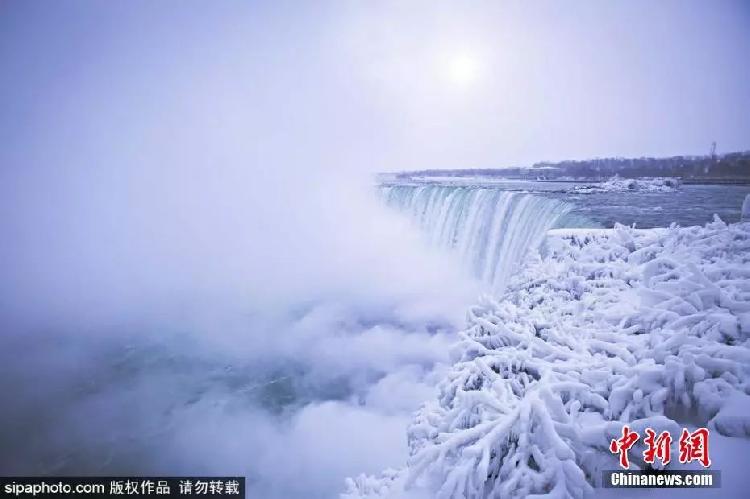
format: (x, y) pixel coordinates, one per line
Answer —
(618, 184)
(601, 328)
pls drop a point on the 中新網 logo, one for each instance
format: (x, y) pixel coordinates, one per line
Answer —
(693, 446)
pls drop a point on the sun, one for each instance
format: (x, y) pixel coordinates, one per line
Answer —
(462, 68)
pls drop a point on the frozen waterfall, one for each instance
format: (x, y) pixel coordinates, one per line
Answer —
(490, 229)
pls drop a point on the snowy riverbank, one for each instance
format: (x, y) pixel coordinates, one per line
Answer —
(602, 328)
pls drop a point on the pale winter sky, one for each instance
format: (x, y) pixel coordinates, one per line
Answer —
(369, 86)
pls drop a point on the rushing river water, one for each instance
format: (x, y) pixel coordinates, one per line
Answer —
(690, 205)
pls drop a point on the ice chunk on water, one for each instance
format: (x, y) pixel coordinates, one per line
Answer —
(619, 184)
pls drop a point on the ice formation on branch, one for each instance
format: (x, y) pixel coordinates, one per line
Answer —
(618, 184)
(602, 328)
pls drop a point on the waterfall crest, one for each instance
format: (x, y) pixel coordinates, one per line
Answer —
(490, 229)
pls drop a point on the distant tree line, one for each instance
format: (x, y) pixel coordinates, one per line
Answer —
(731, 166)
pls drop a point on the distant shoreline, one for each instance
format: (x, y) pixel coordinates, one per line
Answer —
(689, 181)
(730, 168)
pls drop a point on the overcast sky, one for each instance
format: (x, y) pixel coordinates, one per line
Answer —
(370, 86)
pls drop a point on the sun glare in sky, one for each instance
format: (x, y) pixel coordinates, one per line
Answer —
(462, 68)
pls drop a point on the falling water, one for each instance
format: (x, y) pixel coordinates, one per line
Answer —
(490, 229)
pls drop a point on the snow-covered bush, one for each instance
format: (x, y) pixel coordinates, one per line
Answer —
(602, 328)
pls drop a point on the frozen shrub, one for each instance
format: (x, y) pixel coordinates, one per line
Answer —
(644, 327)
